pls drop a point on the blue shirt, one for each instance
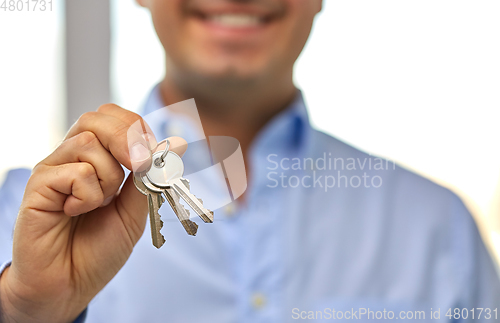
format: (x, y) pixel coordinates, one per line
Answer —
(327, 231)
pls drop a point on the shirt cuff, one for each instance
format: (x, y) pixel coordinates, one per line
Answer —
(80, 319)
(4, 266)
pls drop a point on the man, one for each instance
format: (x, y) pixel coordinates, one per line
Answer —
(379, 241)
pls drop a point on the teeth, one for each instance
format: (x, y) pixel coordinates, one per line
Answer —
(235, 20)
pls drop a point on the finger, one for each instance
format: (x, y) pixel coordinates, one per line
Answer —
(85, 147)
(130, 118)
(73, 188)
(177, 144)
(126, 144)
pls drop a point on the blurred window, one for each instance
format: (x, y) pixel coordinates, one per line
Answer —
(31, 85)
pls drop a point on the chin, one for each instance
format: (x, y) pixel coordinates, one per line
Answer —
(231, 69)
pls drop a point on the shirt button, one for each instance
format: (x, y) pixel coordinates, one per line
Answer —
(230, 210)
(258, 301)
(174, 129)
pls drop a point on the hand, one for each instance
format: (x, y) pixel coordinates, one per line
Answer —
(75, 229)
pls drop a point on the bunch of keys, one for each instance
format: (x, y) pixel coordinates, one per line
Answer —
(165, 177)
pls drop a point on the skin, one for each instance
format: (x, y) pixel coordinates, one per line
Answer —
(239, 80)
(75, 228)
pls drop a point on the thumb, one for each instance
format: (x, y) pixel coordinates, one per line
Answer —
(132, 206)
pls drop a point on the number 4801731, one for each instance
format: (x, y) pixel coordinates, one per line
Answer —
(26, 5)
(474, 313)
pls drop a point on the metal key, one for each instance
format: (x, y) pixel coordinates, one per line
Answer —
(173, 199)
(172, 196)
(181, 186)
(155, 201)
(181, 212)
(166, 173)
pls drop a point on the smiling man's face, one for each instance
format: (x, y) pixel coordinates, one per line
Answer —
(232, 39)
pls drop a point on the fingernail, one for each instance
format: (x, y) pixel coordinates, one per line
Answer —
(107, 201)
(151, 140)
(139, 153)
(139, 157)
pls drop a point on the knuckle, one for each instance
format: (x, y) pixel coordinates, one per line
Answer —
(39, 168)
(133, 117)
(108, 107)
(86, 138)
(85, 170)
(126, 115)
(85, 119)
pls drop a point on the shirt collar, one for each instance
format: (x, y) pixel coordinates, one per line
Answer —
(287, 131)
(169, 124)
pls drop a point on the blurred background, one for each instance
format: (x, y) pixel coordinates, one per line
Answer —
(414, 81)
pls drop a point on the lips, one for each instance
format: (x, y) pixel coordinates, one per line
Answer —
(231, 20)
(236, 16)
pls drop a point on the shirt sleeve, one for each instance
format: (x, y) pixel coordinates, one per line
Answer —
(3, 266)
(11, 195)
(82, 317)
(479, 272)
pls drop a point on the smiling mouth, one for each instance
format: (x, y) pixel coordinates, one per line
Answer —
(235, 20)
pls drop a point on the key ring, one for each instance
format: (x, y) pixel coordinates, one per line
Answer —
(160, 162)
